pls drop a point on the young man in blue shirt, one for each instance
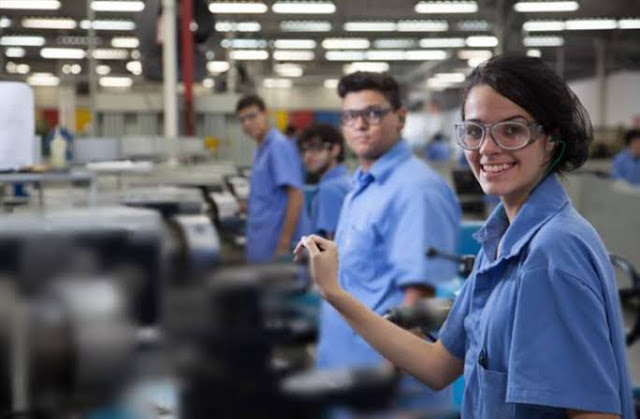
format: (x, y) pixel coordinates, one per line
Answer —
(322, 149)
(275, 194)
(626, 164)
(398, 207)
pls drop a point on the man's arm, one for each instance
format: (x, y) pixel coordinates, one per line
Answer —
(294, 205)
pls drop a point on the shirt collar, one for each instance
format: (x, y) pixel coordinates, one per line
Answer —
(546, 200)
(383, 166)
(335, 172)
(269, 136)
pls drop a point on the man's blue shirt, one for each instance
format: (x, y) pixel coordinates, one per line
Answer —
(626, 167)
(327, 202)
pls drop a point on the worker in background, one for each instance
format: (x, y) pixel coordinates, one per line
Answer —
(397, 208)
(322, 149)
(437, 151)
(275, 194)
(626, 164)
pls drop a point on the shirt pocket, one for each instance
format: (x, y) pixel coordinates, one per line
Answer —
(493, 395)
(360, 252)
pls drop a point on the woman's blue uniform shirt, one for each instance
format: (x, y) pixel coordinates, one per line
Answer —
(540, 326)
(325, 207)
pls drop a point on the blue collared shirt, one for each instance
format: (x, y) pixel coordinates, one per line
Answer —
(626, 167)
(327, 202)
(276, 166)
(394, 212)
(539, 326)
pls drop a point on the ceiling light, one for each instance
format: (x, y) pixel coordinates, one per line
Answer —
(216, 67)
(109, 25)
(249, 54)
(345, 43)
(15, 52)
(208, 83)
(590, 24)
(62, 53)
(48, 23)
(345, 55)
(534, 53)
(30, 4)
(14, 68)
(117, 6)
(437, 84)
(373, 66)
(483, 41)
(243, 43)
(135, 54)
(629, 24)
(277, 83)
(385, 55)
(473, 25)
(446, 7)
(426, 55)
(226, 26)
(474, 62)
(370, 26)
(103, 70)
(294, 43)
(305, 26)
(22, 41)
(423, 26)
(331, 83)
(304, 7)
(467, 54)
(125, 42)
(451, 77)
(546, 6)
(543, 41)
(110, 54)
(543, 25)
(396, 43)
(442, 42)
(5, 22)
(291, 55)
(120, 82)
(43, 79)
(237, 7)
(135, 67)
(288, 70)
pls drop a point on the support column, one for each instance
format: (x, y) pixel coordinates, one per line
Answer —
(170, 77)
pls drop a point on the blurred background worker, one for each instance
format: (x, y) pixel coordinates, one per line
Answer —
(322, 149)
(275, 196)
(626, 164)
(398, 207)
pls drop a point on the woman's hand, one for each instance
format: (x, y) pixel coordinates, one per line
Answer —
(323, 263)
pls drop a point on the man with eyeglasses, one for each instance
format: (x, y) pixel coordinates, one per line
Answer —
(398, 208)
(275, 189)
(322, 149)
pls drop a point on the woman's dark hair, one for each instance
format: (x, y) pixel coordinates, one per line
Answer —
(630, 135)
(532, 85)
(323, 133)
(366, 80)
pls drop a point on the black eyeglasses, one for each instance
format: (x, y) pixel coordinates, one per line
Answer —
(314, 147)
(508, 135)
(372, 115)
(248, 116)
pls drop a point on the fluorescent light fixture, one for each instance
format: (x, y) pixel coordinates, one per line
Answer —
(426, 55)
(451, 77)
(482, 41)
(216, 67)
(437, 84)
(30, 4)
(48, 23)
(373, 66)
(243, 43)
(43, 79)
(442, 42)
(15, 52)
(305, 26)
(543, 41)
(135, 54)
(13, 68)
(277, 83)
(71, 69)
(331, 83)
(543, 25)
(474, 62)
(288, 70)
(345, 55)
(109, 25)
(394, 43)
(117, 6)
(291, 55)
(110, 54)
(249, 54)
(208, 83)
(546, 6)
(103, 69)
(534, 53)
(237, 7)
(125, 42)
(629, 24)
(370, 26)
(135, 67)
(304, 7)
(385, 55)
(294, 43)
(345, 43)
(467, 54)
(5, 22)
(22, 41)
(62, 53)
(443, 7)
(227, 26)
(473, 25)
(118, 82)
(422, 26)
(590, 24)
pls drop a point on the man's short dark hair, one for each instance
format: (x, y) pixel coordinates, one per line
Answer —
(250, 100)
(365, 80)
(323, 133)
(631, 135)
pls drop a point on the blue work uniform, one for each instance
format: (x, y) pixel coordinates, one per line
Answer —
(394, 212)
(276, 166)
(437, 151)
(327, 202)
(626, 167)
(538, 323)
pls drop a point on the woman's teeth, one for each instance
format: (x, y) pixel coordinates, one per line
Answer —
(494, 168)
